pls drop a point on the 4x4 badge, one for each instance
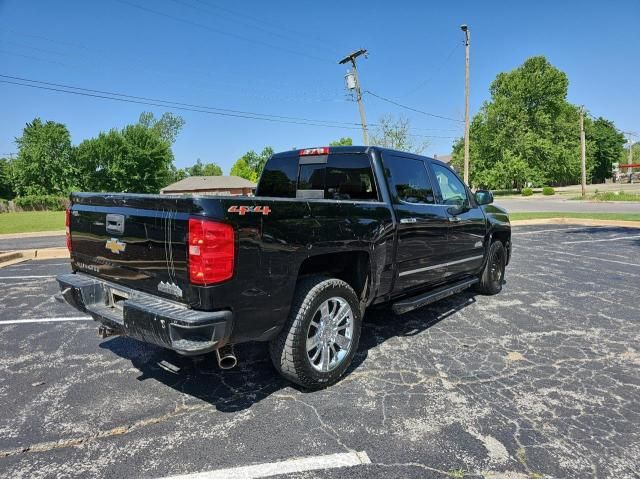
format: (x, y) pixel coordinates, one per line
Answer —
(115, 246)
(243, 210)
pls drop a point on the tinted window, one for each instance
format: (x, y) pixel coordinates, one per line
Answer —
(311, 177)
(349, 177)
(452, 189)
(410, 179)
(279, 178)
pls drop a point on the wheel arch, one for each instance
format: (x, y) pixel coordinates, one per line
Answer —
(353, 267)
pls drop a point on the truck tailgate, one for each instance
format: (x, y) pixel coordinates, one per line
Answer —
(135, 240)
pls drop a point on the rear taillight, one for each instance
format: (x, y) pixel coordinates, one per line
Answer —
(67, 224)
(211, 251)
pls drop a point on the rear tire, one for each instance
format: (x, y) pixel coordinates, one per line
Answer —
(493, 273)
(319, 339)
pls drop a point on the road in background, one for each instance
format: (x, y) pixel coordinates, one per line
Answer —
(35, 242)
(546, 203)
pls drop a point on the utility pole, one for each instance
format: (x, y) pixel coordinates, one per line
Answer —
(353, 83)
(467, 34)
(583, 149)
(630, 160)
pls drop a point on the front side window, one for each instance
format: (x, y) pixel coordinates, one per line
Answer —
(410, 180)
(453, 191)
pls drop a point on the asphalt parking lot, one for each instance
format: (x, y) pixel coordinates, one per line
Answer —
(542, 380)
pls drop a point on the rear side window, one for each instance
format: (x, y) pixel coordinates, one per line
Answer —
(279, 178)
(349, 177)
(410, 180)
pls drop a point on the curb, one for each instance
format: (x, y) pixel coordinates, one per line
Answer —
(12, 257)
(35, 234)
(575, 221)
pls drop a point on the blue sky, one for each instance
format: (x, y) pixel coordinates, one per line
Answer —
(280, 58)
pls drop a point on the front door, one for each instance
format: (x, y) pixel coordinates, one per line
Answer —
(422, 224)
(467, 226)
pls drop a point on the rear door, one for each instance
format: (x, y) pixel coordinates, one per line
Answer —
(422, 224)
(467, 224)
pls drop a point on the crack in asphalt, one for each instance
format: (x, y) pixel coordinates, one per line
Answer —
(116, 431)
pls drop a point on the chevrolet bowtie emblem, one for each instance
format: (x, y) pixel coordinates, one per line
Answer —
(115, 246)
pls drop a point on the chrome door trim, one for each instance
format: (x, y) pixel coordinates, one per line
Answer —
(441, 265)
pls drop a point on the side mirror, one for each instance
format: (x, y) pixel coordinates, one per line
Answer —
(456, 210)
(483, 197)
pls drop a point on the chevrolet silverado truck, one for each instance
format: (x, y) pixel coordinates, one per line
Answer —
(330, 233)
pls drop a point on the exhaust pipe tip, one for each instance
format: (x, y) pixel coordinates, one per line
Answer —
(226, 357)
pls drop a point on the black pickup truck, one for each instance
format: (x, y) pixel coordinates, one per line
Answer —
(330, 232)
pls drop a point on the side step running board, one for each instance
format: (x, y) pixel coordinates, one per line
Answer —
(415, 302)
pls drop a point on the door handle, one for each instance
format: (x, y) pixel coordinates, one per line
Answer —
(454, 219)
(408, 220)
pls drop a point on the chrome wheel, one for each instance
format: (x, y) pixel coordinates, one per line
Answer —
(330, 334)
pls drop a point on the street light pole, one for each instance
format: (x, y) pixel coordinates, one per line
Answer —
(363, 119)
(630, 160)
(467, 35)
(583, 154)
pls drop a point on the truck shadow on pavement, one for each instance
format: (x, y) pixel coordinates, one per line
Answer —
(254, 379)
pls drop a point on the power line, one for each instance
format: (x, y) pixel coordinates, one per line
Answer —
(189, 105)
(412, 109)
(196, 106)
(182, 106)
(434, 72)
(221, 32)
(308, 97)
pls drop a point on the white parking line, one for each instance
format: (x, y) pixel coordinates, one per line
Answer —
(616, 238)
(46, 320)
(269, 469)
(35, 276)
(522, 233)
(43, 264)
(595, 258)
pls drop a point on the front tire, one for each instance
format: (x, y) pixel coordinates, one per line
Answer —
(321, 335)
(492, 275)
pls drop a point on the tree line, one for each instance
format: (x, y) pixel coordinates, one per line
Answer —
(528, 133)
(137, 158)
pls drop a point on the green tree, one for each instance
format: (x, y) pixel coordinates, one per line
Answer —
(44, 164)
(395, 133)
(168, 126)
(526, 133)
(607, 144)
(242, 169)
(212, 169)
(344, 141)
(135, 159)
(203, 169)
(635, 155)
(6, 180)
(251, 164)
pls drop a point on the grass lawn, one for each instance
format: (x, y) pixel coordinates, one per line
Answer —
(611, 196)
(30, 221)
(586, 216)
